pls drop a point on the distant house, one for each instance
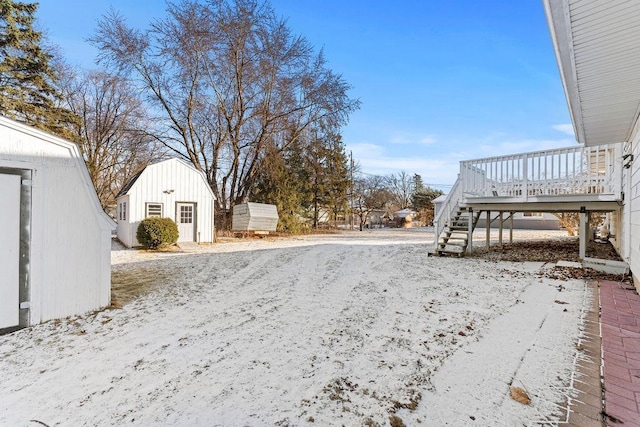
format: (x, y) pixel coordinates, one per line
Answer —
(404, 217)
(525, 221)
(377, 218)
(406, 214)
(172, 189)
(55, 242)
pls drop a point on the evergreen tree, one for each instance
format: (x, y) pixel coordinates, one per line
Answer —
(418, 185)
(316, 160)
(307, 179)
(422, 201)
(284, 182)
(338, 179)
(27, 79)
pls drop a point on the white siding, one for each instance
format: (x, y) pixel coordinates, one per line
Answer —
(169, 182)
(70, 269)
(125, 232)
(630, 221)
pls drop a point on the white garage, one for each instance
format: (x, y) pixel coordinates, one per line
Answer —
(55, 240)
(171, 189)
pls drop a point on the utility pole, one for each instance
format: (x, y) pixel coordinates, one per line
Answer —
(351, 221)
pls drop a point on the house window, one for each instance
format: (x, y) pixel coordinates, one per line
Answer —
(154, 210)
(532, 214)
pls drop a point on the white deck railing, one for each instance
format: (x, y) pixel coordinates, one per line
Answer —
(564, 171)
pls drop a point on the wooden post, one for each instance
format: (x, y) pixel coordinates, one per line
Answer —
(488, 229)
(500, 230)
(511, 228)
(470, 231)
(583, 232)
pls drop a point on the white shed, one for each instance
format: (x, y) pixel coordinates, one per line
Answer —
(254, 217)
(55, 241)
(172, 189)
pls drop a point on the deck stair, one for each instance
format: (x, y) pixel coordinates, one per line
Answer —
(455, 236)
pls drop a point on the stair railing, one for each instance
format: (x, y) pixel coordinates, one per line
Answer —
(444, 214)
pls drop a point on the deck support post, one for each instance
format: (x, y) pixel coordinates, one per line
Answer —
(470, 231)
(511, 227)
(488, 228)
(500, 230)
(584, 224)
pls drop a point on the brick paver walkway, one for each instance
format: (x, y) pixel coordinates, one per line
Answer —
(620, 328)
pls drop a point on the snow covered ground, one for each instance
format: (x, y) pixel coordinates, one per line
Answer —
(349, 329)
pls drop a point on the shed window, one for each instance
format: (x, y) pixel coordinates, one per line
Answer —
(154, 210)
(123, 211)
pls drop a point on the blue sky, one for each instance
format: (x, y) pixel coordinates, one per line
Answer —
(439, 80)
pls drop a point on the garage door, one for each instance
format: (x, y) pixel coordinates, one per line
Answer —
(9, 250)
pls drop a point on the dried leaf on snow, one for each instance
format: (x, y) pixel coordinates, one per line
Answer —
(520, 395)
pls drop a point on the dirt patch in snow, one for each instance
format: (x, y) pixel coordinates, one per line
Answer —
(547, 250)
(129, 284)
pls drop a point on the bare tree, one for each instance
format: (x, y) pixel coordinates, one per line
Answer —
(228, 80)
(401, 185)
(370, 194)
(110, 132)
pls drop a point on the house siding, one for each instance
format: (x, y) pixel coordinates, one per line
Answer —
(630, 221)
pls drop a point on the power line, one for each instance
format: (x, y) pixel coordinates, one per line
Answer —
(438, 185)
(426, 184)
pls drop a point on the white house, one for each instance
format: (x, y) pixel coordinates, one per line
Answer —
(56, 240)
(172, 189)
(597, 45)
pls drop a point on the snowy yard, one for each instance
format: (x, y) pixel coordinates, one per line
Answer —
(350, 329)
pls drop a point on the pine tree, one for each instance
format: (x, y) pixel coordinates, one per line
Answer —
(418, 185)
(306, 180)
(422, 201)
(27, 79)
(338, 179)
(284, 182)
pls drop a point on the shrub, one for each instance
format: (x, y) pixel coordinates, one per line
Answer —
(154, 233)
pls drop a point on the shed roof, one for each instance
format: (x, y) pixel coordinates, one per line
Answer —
(74, 152)
(597, 46)
(129, 184)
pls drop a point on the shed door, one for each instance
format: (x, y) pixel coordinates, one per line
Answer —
(186, 215)
(9, 250)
